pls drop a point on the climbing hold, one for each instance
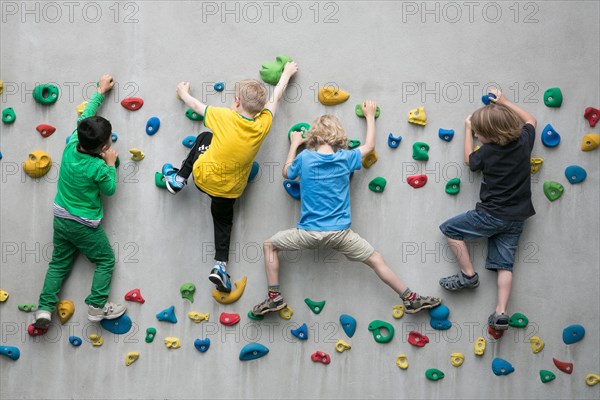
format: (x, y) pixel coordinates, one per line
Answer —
(255, 317)
(378, 184)
(573, 333)
(1, 86)
(592, 115)
(0, 155)
(446, 134)
(300, 332)
(194, 116)
(252, 351)
(96, 340)
(479, 347)
(75, 341)
(590, 142)
(457, 359)
(417, 116)
(502, 367)
(359, 112)
(550, 138)
(394, 142)
(496, 334)
(229, 319)
(150, 334)
(131, 357)
(33, 331)
(518, 320)
(417, 339)
(348, 324)
(420, 150)
(172, 342)
(152, 126)
(134, 295)
(315, 306)
(167, 315)
(189, 141)
(253, 171)
(440, 324)
(202, 345)
(590, 379)
(485, 99)
(537, 344)
(198, 317)
(3, 296)
(546, 376)
(342, 346)
(299, 127)
(271, 71)
(321, 357)
(353, 143)
(45, 130)
(292, 188)
(453, 186)
(114, 137)
(553, 190)
(566, 367)
(369, 159)
(476, 148)
(45, 93)
(8, 115)
(118, 326)
(65, 310)
(234, 295)
(132, 103)
(286, 312)
(11, 352)
(38, 164)
(434, 374)
(575, 174)
(553, 97)
(219, 86)
(26, 307)
(398, 311)
(439, 312)
(80, 107)
(329, 95)
(187, 291)
(136, 155)
(536, 164)
(402, 361)
(376, 326)
(417, 181)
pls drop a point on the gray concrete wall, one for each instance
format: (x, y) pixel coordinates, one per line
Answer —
(403, 54)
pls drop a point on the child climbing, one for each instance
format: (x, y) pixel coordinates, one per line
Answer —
(507, 135)
(324, 170)
(221, 160)
(87, 170)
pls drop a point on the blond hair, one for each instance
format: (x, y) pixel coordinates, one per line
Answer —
(496, 123)
(327, 129)
(252, 95)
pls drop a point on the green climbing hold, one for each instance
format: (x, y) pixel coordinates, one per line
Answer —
(193, 115)
(187, 291)
(159, 180)
(453, 186)
(553, 97)
(434, 374)
(518, 320)
(26, 307)
(255, 317)
(553, 190)
(150, 333)
(378, 184)
(271, 71)
(8, 115)
(420, 150)
(352, 144)
(45, 93)
(315, 306)
(359, 112)
(546, 376)
(300, 127)
(376, 326)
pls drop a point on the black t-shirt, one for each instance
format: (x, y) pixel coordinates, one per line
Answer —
(506, 185)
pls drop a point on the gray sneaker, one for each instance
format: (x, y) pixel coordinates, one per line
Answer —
(420, 303)
(109, 311)
(459, 282)
(42, 319)
(498, 322)
(269, 305)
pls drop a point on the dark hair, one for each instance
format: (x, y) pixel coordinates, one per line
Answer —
(93, 132)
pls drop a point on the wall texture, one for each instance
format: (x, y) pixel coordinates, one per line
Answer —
(442, 55)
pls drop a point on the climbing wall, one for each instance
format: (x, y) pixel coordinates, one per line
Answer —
(438, 55)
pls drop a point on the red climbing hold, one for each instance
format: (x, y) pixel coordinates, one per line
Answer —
(417, 339)
(229, 319)
(321, 357)
(494, 333)
(592, 115)
(132, 103)
(417, 181)
(134, 295)
(563, 366)
(33, 331)
(45, 130)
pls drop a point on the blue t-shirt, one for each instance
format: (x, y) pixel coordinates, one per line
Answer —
(324, 188)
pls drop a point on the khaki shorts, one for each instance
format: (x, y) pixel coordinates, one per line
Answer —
(347, 242)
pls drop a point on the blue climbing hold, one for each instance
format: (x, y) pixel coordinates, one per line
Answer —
(11, 352)
(301, 332)
(348, 324)
(575, 174)
(502, 367)
(189, 141)
(167, 315)
(114, 137)
(0, 155)
(67, 139)
(253, 171)
(219, 86)
(152, 125)
(202, 345)
(118, 326)
(573, 334)
(252, 351)
(439, 312)
(486, 98)
(394, 142)
(440, 324)
(292, 187)
(550, 138)
(75, 341)
(446, 134)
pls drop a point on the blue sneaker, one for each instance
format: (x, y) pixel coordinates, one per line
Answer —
(170, 172)
(220, 278)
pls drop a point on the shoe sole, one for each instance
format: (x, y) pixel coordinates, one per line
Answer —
(460, 288)
(421, 308)
(169, 188)
(270, 310)
(94, 318)
(216, 279)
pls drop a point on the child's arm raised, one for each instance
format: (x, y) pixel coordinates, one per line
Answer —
(369, 107)
(468, 139)
(288, 71)
(526, 117)
(183, 91)
(296, 140)
(104, 85)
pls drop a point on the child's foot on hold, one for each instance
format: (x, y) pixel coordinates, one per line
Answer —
(420, 303)
(459, 282)
(498, 322)
(174, 182)
(220, 278)
(109, 311)
(41, 319)
(269, 305)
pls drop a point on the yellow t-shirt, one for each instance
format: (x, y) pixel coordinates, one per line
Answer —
(223, 170)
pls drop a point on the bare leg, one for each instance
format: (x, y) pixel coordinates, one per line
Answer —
(504, 286)
(460, 250)
(377, 263)
(271, 263)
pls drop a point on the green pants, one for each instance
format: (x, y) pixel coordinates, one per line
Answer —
(70, 237)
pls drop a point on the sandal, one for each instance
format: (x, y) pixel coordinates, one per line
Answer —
(458, 282)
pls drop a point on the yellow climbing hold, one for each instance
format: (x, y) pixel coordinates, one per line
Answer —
(342, 346)
(402, 361)
(81, 107)
(38, 164)
(329, 95)
(172, 342)
(590, 142)
(398, 311)
(65, 310)
(286, 313)
(198, 317)
(537, 344)
(228, 298)
(479, 346)
(457, 359)
(536, 164)
(131, 357)
(96, 340)
(369, 159)
(476, 148)
(1, 87)
(592, 379)
(136, 155)
(417, 116)
(3, 296)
